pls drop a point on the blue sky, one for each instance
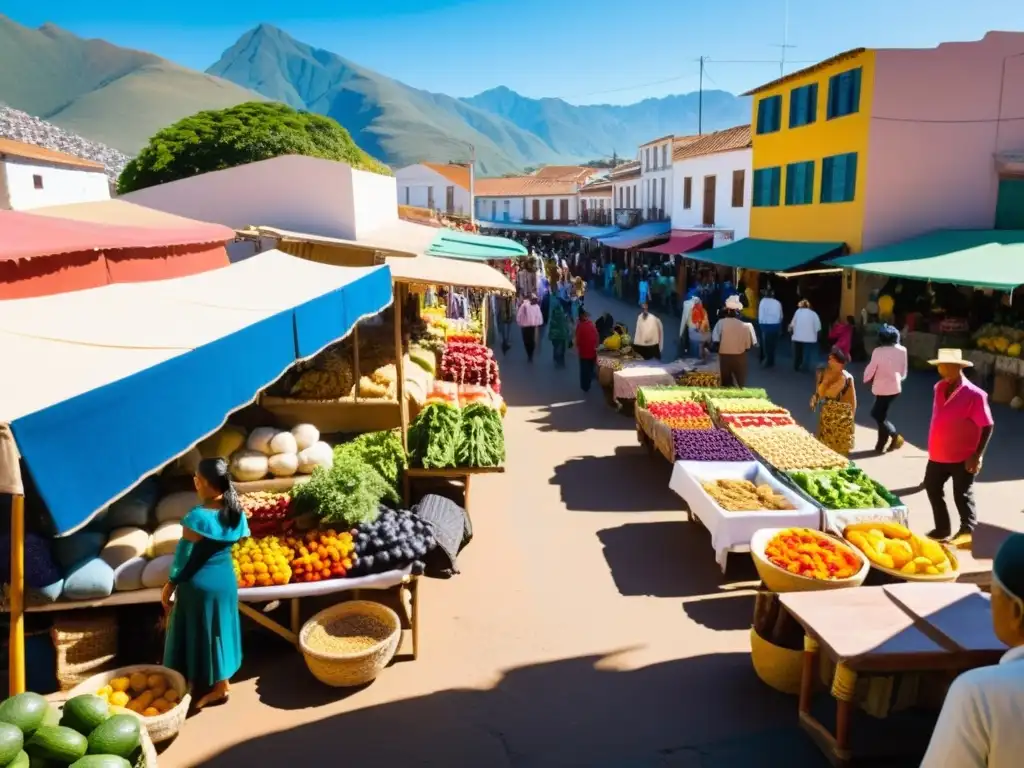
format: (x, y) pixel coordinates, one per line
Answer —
(594, 51)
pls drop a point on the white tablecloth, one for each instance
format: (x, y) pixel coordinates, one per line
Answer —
(732, 531)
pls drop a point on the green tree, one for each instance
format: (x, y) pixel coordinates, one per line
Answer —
(224, 138)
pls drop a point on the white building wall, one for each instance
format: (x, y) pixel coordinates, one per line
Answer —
(496, 208)
(59, 185)
(721, 165)
(556, 208)
(653, 172)
(424, 187)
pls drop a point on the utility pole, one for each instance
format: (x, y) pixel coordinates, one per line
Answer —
(472, 180)
(785, 39)
(700, 98)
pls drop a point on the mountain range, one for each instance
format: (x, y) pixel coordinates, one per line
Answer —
(121, 97)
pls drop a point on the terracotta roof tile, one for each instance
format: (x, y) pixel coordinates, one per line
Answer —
(807, 70)
(522, 186)
(19, 149)
(720, 141)
(565, 172)
(456, 174)
(598, 187)
(682, 141)
(625, 170)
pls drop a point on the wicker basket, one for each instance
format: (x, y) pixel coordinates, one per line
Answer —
(345, 670)
(162, 727)
(85, 642)
(778, 667)
(779, 580)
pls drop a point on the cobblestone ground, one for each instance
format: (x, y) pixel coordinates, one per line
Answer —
(590, 625)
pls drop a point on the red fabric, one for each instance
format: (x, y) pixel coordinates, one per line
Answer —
(681, 242)
(842, 337)
(957, 422)
(586, 340)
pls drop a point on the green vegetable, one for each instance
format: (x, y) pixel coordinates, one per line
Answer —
(843, 489)
(11, 742)
(26, 711)
(120, 735)
(21, 760)
(57, 743)
(481, 438)
(101, 761)
(84, 713)
(383, 451)
(433, 436)
(350, 492)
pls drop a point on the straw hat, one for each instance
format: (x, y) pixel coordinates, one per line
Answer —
(951, 357)
(734, 302)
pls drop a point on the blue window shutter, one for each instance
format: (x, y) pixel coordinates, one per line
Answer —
(777, 113)
(833, 90)
(809, 183)
(760, 116)
(776, 184)
(826, 179)
(812, 105)
(851, 177)
(854, 94)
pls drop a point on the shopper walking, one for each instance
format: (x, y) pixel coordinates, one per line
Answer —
(805, 327)
(506, 319)
(558, 333)
(886, 372)
(769, 319)
(960, 430)
(530, 320)
(649, 335)
(586, 349)
(835, 398)
(734, 337)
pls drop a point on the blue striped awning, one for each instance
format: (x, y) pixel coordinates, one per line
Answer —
(638, 235)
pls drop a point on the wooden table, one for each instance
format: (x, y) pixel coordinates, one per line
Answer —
(461, 474)
(886, 630)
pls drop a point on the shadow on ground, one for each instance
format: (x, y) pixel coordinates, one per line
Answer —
(609, 483)
(580, 416)
(691, 713)
(669, 559)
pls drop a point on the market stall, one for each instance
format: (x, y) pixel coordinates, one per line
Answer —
(126, 370)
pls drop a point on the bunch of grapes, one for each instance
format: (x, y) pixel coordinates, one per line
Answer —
(268, 512)
(392, 541)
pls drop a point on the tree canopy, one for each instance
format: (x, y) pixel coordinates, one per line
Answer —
(224, 138)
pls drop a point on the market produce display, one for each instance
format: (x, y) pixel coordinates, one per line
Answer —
(470, 363)
(144, 694)
(708, 445)
(672, 394)
(267, 512)
(348, 634)
(846, 488)
(744, 496)
(811, 554)
(705, 379)
(895, 547)
(741, 420)
(681, 415)
(262, 561)
(280, 453)
(331, 375)
(89, 733)
(381, 451)
(320, 555)
(424, 358)
(394, 540)
(347, 494)
(720, 405)
(1000, 339)
(443, 436)
(790, 447)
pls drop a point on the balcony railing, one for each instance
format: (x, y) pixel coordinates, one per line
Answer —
(600, 217)
(655, 214)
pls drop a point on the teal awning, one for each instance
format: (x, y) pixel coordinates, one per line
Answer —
(984, 258)
(453, 244)
(768, 255)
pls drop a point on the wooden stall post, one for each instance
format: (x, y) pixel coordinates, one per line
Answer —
(355, 361)
(403, 408)
(483, 318)
(16, 661)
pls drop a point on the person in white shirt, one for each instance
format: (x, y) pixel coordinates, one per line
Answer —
(769, 321)
(649, 335)
(805, 327)
(980, 725)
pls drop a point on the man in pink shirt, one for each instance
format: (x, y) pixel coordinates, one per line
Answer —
(960, 430)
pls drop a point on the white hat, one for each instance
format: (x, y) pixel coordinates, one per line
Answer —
(733, 302)
(951, 357)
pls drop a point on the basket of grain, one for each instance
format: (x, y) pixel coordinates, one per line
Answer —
(151, 683)
(350, 643)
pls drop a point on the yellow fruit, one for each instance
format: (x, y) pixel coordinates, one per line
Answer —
(887, 529)
(162, 705)
(932, 550)
(119, 699)
(106, 690)
(144, 700)
(922, 562)
(151, 712)
(157, 684)
(120, 683)
(857, 538)
(878, 558)
(931, 569)
(910, 567)
(875, 534)
(105, 695)
(1013, 350)
(1001, 344)
(944, 566)
(900, 552)
(171, 696)
(137, 682)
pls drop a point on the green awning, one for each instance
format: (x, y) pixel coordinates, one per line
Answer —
(767, 255)
(984, 258)
(453, 244)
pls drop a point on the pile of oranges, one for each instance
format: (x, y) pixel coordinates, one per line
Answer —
(320, 555)
(262, 562)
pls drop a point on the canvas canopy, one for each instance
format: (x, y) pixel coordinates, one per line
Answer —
(580, 230)
(453, 244)
(681, 242)
(638, 235)
(104, 386)
(431, 270)
(985, 258)
(768, 255)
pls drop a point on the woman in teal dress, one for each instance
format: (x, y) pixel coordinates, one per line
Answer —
(204, 634)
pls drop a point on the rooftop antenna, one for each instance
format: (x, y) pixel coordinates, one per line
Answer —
(785, 39)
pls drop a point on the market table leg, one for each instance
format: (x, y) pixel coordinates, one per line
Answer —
(268, 623)
(414, 604)
(810, 665)
(844, 688)
(465, 495)
(296, 616)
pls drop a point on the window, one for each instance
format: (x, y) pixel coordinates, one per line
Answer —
(662, 206)
(506, 206)
(664, 155)
(549, 210)
(563, 210)
(800, 183)
(621, 198)
(647, 159)
(406, 195)
(430, 198)
(839, 178)
(37, 181)
(803, 105)
(739, 180)
(687, 192)
(769, 114)
(766, 187)
(844, 94)
(494, 210)
(600, 204)
(708, 216)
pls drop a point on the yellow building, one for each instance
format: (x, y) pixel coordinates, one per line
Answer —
(810, 143)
